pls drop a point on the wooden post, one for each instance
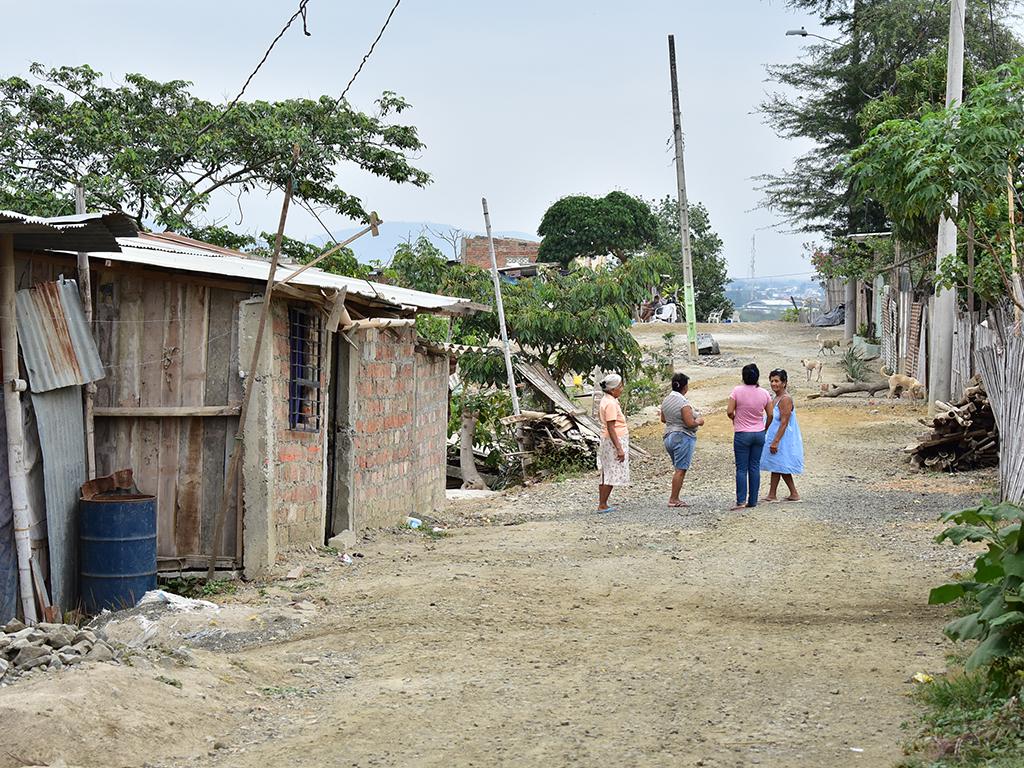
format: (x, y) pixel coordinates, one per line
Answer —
(1015, 285)
(85, 291)
(13, 387)
(970, 266)
(231, 476)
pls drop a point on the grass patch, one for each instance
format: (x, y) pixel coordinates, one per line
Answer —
(967, 723)
(201, 588)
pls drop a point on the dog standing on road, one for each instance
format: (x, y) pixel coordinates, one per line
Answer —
(811, 366)
(898, 382)
(831, 345)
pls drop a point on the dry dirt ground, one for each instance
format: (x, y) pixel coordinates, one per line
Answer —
(537, 634)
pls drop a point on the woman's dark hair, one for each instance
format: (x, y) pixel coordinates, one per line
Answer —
(780, 374)
(751, 374)
(679, 381)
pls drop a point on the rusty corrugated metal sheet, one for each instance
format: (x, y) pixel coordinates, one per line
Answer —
(57, 344)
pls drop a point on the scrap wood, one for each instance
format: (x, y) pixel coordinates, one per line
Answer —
(963, 434)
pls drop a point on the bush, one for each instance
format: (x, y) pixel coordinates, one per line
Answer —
(998, 622)
(644, 389)
(853, 365)
(791, 315)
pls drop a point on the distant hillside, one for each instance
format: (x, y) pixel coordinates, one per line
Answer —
(368, 248)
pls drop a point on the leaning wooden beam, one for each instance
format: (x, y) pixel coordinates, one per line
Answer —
(232, 473)
(13, 387)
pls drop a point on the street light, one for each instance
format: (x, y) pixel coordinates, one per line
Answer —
(804, 33)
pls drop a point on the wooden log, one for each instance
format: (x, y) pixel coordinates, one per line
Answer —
(871, 387)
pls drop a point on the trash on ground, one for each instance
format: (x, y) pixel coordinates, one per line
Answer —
(176, 602)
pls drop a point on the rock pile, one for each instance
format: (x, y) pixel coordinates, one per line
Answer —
(48, 647)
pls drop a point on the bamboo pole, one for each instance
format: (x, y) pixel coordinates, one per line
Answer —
(501, 313)
(230, 479)
(85, 291)
(1011, 212)
(13, 387)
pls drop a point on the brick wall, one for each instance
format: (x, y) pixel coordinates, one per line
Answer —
(400, 425)
(298, 509)
(476, 252)
(431, 424)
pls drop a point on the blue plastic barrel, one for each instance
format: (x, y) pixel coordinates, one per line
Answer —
(117, 553)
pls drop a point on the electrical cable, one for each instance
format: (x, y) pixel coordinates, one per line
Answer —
(369, 52)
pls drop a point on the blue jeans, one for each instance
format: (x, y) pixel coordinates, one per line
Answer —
(747, 448)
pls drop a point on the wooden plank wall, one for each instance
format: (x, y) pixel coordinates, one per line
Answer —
(170, 343)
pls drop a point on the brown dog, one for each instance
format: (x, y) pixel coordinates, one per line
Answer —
(900, 383)
(830, 345)
(811, 366)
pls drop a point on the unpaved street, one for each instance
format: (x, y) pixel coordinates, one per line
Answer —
(538, 634)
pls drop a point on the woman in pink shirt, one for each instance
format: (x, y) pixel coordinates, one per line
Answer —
(748, 407)
(613, 451)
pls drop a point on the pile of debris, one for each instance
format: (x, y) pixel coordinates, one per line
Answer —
(963, 434)
(48, 647)
(562, 432)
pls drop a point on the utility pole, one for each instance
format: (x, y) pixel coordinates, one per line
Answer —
(501, 314)
(940, 364)
(684, 207)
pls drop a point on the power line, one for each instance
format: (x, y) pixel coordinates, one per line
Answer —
(369, 52)
(301, 11)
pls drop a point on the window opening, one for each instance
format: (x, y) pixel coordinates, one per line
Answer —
(304, 343)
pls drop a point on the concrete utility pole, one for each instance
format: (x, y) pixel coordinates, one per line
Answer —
(684, 207)
(940, 364)
(501, 313)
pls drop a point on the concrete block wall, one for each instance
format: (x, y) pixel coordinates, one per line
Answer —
(400, 425)
(507, 250)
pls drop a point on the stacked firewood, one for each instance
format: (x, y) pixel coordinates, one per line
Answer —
(963, 434)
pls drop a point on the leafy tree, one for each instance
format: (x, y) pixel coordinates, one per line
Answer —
(579, 226)
(914, 166)
(160, 153)
(709, 266)
(839, 91)
(568, 321)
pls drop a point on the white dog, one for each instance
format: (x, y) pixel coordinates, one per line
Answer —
(811, 366)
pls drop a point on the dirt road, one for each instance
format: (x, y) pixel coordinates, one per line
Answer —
(538, 634)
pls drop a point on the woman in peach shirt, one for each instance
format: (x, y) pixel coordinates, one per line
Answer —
(613, 452)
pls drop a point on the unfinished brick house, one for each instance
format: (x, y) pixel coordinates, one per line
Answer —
(347, 425)
(508, 251)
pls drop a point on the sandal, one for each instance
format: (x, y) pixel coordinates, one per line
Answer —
(677, 504)
(606, 510)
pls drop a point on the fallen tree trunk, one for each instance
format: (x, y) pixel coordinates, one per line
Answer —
(848, 388)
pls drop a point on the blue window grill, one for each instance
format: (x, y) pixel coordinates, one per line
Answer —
(304, 347)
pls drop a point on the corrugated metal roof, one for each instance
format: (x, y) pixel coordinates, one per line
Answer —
(168, 254)
(81, 232)
(59, 350)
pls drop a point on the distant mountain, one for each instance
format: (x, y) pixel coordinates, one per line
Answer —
(380, 248)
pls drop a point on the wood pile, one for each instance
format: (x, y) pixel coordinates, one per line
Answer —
(963, 435)
(554, 432)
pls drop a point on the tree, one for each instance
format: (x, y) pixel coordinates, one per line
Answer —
(829, 97)
(709, 266)
(161, 154)
(976, 151)
(579, 226)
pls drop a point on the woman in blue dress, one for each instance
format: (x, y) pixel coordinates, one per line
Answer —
(783, 446)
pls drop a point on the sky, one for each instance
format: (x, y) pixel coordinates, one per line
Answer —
(521, 102)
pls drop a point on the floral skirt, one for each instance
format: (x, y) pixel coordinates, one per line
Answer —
(613, 471)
